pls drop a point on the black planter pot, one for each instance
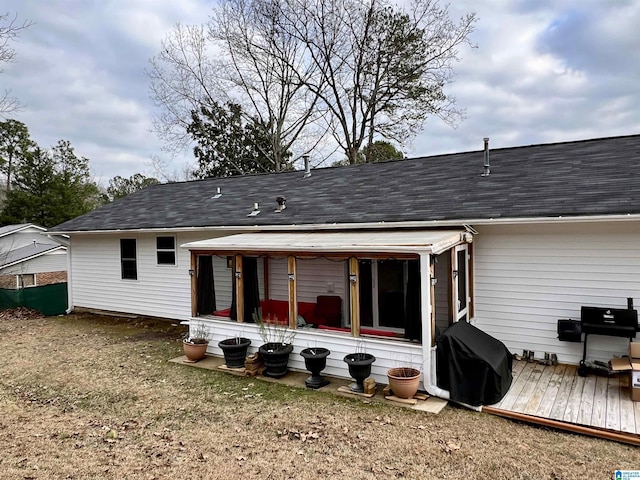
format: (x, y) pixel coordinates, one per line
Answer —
(359, 369)
(235, 351)
(315, 359)
(276, 358)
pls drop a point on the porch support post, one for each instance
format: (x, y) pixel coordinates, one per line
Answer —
(432, 294)
(193, 268)
(428, 324)
(239, 289)
(471, 293)
(453, 293)
(293, 298)
(354, 296)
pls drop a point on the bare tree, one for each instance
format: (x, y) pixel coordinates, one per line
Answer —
(266, 68)
(10, 28)
(244, 58)
(382, 69)
(182, 77)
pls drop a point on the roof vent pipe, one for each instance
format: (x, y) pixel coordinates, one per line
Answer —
(307, 168)
(281, 204)
(487, 165)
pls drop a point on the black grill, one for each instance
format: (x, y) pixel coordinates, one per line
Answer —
(613, 322)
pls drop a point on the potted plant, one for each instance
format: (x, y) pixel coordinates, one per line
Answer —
(235, 351)
(315, 359)
(359, 368)
(404, 381)
(277, 345)
(196, 342)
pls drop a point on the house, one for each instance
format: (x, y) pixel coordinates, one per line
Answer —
(380, 256)
(28, 258)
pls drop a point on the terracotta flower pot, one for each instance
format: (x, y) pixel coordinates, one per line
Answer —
(194, 351)
(404, 381)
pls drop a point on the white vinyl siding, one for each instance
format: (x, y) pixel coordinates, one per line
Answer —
(159, 291)
(23, 238)
(317, 276)
(527, 277)
(49, 262)
(389, 354)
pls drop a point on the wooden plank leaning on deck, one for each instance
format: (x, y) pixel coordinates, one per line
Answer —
(550, 394)
(560, 403)
(612, 417)
(586, 403)
(599, 414)
(536, 398)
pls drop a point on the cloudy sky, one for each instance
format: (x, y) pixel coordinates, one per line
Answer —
(544, 71)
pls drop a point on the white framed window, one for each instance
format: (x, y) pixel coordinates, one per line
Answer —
(26, 280)
(166, 250)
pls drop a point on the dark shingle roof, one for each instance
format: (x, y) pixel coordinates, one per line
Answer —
(590, 177)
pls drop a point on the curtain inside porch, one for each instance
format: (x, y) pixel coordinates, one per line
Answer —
(206, 288)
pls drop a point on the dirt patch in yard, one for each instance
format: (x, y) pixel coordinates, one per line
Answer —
(85, 396)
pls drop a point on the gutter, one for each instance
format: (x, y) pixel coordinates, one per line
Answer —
(370, 225)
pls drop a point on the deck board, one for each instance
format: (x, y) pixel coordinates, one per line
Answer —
(612, 421)
(536, 398)
(627, 416)
(636, 411)
(549, 397)
(529, 388)
(573, 402)
(516, 387)
(586, 406)
(559, 393)
(599, 414)
(560, 405)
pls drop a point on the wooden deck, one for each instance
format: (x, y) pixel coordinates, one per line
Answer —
(559, 393)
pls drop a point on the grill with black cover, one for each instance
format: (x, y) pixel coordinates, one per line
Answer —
(473, 366)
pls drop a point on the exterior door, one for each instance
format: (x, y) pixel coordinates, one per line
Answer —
(461, 283)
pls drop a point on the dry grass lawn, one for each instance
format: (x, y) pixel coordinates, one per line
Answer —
(84, 397)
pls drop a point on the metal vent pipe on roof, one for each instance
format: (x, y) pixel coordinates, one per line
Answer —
(487, 165)
(307, 168)
(281, 204)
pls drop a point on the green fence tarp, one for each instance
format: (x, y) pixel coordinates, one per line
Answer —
(48, 299)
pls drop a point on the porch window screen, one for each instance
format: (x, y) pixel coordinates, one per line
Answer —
(412, 311)
(128, 260)
(206, 286)
(251, 290)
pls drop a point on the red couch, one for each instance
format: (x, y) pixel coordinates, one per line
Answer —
(327, 311)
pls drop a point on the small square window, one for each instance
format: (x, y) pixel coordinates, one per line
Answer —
(166, 250)
(26, 280)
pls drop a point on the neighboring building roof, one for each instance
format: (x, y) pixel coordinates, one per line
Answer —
(27, 253)
(9, 229)
(582, 178)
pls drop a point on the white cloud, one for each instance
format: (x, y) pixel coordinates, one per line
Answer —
(543, 71)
